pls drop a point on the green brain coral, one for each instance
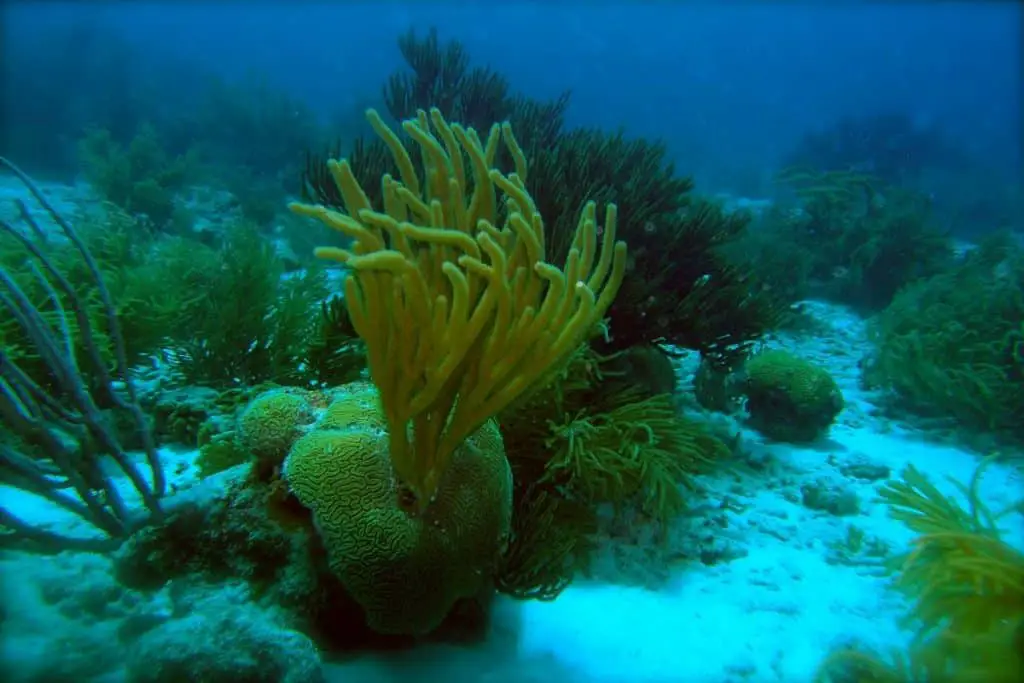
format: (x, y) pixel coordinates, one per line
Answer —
(356, 405)
(789, 398)
(406, 570)
(270, 424)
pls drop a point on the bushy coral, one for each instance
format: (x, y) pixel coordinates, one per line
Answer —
(137, 267)
(407, 571)
(441, 77)
(252, 325)
(691, 287)
(335, 355)
(848, 237)
(966, 586)
(142, 178)
(592, 437)
(222, 315)
(789, 398)
(688, 289)
(892, 144)
(641, 448)
(953, 345)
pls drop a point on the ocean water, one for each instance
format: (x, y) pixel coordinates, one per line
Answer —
(200, 474)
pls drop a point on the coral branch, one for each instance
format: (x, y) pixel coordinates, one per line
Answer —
(62, 422)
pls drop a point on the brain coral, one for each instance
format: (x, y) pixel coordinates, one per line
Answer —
(405, 569)
(272, 423)
(356, 405)
(789, 398)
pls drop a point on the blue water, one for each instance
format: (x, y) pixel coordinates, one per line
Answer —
(730, 86)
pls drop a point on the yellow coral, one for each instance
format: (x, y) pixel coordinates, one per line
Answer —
(460, 316)
(966, 584)
(406, 571)
(966, 580)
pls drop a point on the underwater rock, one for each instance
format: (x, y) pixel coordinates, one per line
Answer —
(218, 529)
(222, 641)
(829, 497)
(179, 414)
(233, 528)
(863, 469)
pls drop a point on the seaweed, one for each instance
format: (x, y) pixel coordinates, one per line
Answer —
(951, 345)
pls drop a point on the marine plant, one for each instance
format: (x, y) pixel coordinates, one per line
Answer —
(953, 345)
(461, 315)
(849, 237)
(55, 437)
(254, 324)
(140, 178)
(965, 583)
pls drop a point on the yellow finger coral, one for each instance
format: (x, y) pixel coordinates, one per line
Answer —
(449, 288)
(406, 571)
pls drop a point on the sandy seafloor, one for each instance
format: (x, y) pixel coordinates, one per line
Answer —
(770, 614)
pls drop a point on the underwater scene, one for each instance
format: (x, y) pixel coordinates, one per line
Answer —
(508, 342)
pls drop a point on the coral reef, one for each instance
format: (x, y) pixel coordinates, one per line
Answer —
(483, 403)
